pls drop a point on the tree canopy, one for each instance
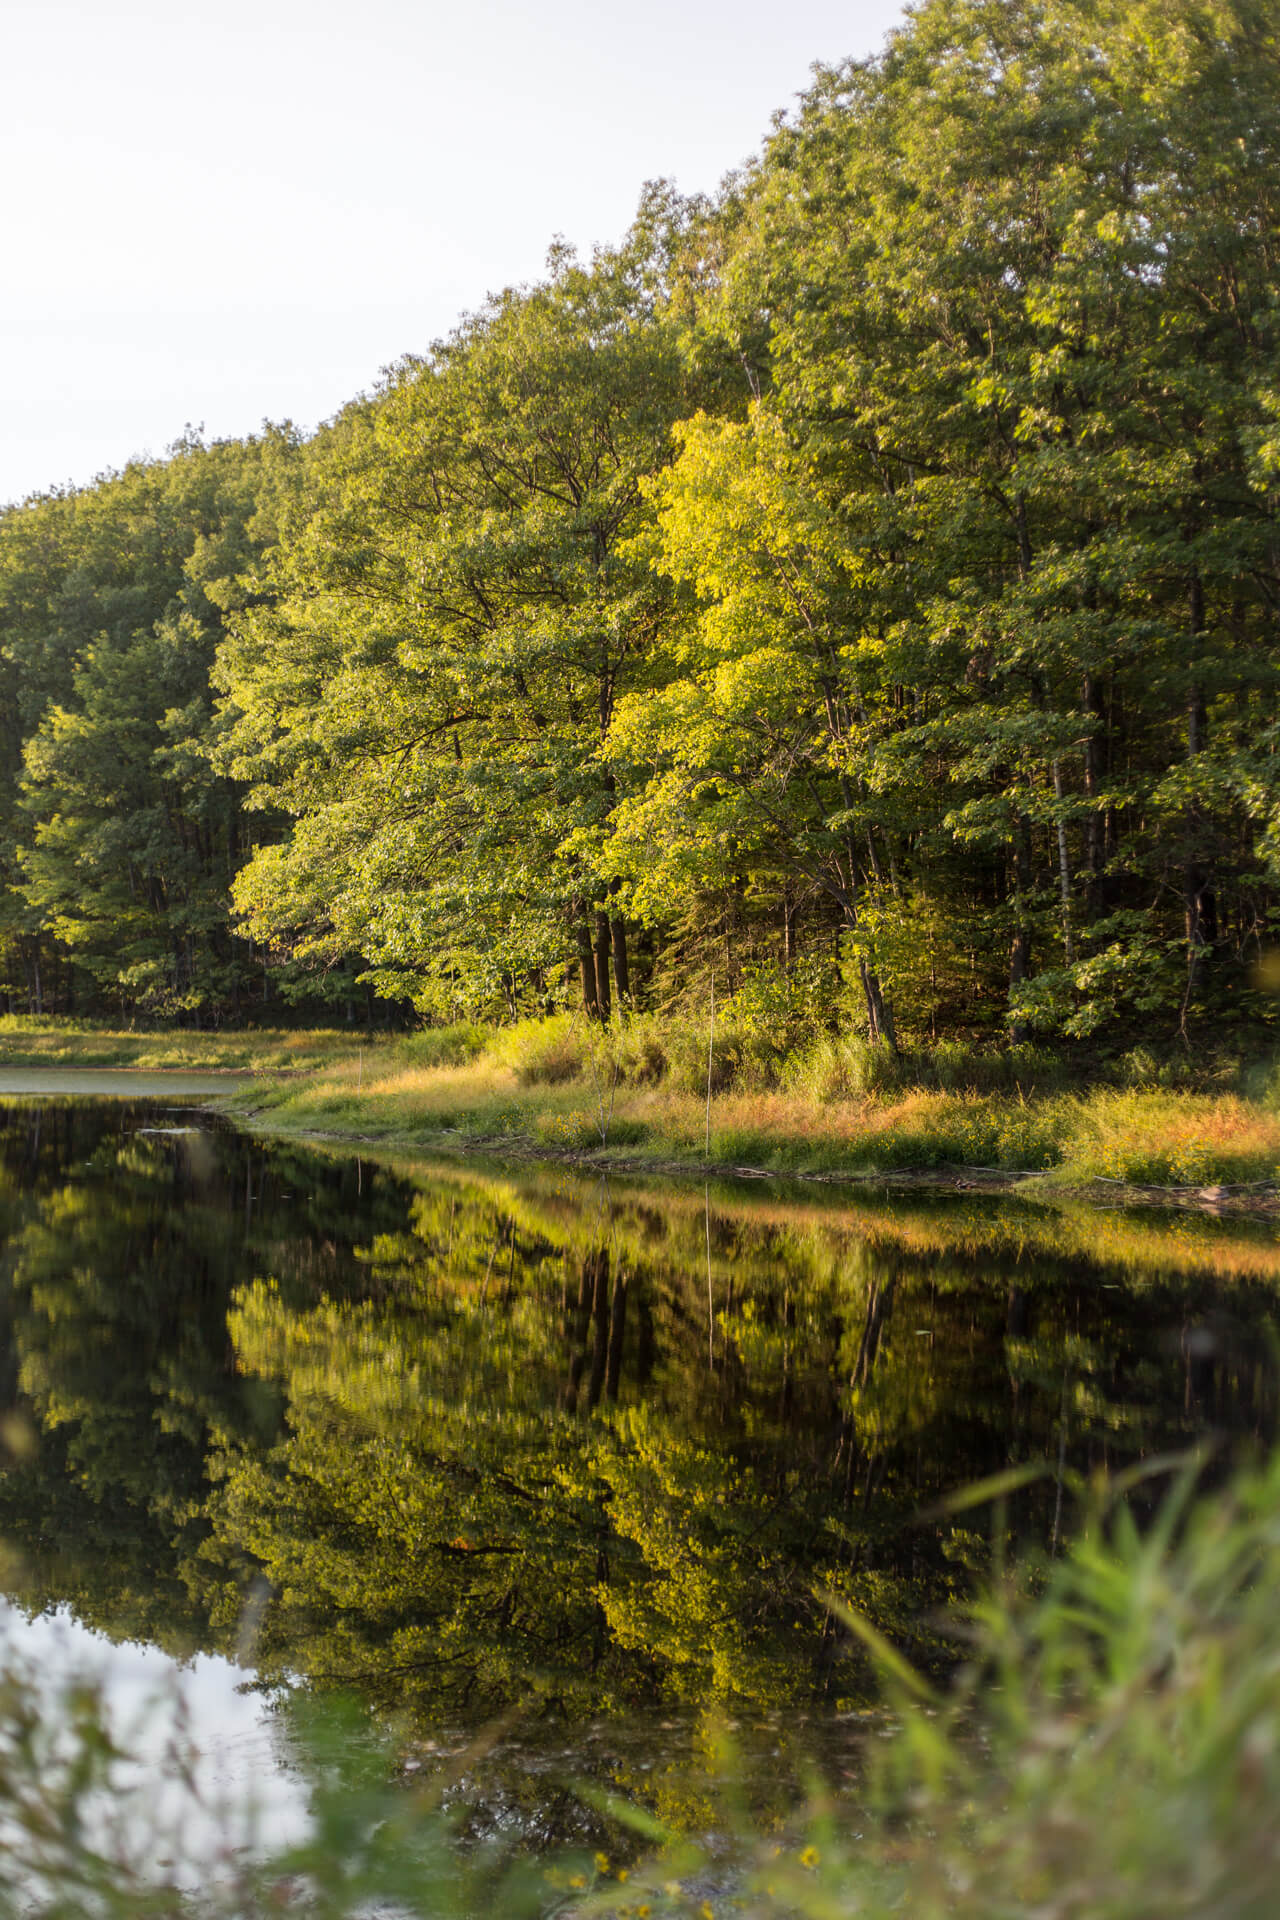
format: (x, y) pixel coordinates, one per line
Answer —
(878, 561)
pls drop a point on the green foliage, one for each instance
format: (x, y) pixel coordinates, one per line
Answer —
(872, 572)
(455, 621)
(996, 491)
(116, 837)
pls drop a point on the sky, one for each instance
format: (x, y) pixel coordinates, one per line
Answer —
(220, 214)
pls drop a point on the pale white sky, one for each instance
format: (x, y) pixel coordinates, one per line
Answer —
(243, 209)
(247, 1793)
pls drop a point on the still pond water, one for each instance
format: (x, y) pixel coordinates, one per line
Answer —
(462, 1440)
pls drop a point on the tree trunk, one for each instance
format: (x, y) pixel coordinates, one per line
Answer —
(1020, 948)
(788, 931)
(600, 1322)
(617, 1330)
(1200, 902)
(603, 947)
(1094, 768)
(587, 966)
(621, 968)
(1064, 869)
(879, 1013)
(880, 1025)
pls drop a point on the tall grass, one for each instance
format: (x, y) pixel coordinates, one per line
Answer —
(1178, 1139)
(831, 1103)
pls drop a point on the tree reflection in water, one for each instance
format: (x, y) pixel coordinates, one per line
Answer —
(523, 1438)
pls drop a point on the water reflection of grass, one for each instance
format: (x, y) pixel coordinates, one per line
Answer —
(1022, 1226)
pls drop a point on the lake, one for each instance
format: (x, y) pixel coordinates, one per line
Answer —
(591, 1465)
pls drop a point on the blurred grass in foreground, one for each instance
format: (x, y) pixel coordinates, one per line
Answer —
(1111, 1751)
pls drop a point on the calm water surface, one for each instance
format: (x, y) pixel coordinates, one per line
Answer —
(465, 1441)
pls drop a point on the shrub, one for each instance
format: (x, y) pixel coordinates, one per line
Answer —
(546, 1052)
(638, 1047)
(845, 1067)
(686, 1050)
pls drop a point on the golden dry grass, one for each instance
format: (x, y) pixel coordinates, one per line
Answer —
(338, 1083)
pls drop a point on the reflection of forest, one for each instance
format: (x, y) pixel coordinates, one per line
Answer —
(497, 1438)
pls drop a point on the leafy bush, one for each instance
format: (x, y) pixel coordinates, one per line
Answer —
(546, 1052)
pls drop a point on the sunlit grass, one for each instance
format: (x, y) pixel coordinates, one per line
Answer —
(1172, 1139)
(1146, 1138)
(28, 1040)
(557, 1088)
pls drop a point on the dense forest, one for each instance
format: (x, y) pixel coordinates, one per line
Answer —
(861, 588)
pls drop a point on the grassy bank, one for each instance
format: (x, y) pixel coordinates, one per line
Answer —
(31, 1041)
(638, 1097)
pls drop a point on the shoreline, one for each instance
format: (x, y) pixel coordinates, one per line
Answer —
(1257, 1200)
(1099, 1145)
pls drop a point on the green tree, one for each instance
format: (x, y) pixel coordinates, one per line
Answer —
(458, 619)
(988, 582)
(120, 840)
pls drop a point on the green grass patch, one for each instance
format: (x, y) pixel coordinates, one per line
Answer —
(27, 1040)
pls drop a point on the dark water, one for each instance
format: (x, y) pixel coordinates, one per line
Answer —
(466, 1442)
